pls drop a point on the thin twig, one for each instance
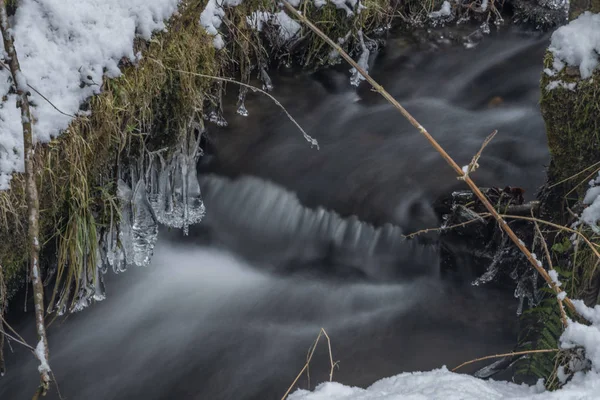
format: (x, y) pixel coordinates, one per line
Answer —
(563, 314)
(505, 227)
(515, 353)
(311, 352)
(14, 339)
(442, 228)
(473, 165)
(19, 339)
(309, 139)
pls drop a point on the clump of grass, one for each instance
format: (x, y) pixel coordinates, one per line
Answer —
(77, 172)
(146, 109)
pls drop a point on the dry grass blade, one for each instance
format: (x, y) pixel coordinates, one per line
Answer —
(311, 352)
(516, 353)
(560, 227)
(460, 173)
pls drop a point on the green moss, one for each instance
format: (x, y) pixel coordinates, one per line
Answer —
(577, 7)
(572, 123)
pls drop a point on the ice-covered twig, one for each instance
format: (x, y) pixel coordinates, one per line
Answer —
(472, 185)
(307, 137)
(31, 194)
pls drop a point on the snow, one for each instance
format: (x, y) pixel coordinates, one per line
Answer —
(288, 27)
(591, 215)
(444, 11)
(554, 276)
(212, 17)
(442, 384)
(578, 44)
(561, 296)
(40, 353)
(560, 84)
(63, 45)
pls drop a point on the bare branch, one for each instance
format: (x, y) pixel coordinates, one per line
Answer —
(31, 194)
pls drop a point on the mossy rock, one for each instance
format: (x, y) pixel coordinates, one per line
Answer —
(572, 120)
(577, 7)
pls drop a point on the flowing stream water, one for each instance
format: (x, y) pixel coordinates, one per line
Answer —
(297, 239)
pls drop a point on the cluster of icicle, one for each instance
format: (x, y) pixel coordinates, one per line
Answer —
(159, 189)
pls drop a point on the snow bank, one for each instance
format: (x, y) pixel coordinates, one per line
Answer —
(441, 384)
(65, 47)
(578, 44)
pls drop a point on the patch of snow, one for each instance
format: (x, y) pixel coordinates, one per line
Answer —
(484, 5)
(40, 353)
(288, 27)
(554, 276)
(578, 44)
(561, 296)
(591, 215)
(591, 195)
(444, 11)
(64, 48)
(560, 84)
(211, 18)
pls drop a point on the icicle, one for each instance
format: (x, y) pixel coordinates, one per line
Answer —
(125, 226)
(101, 267)
(363, 62)
(266, 79)
(241, 102)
